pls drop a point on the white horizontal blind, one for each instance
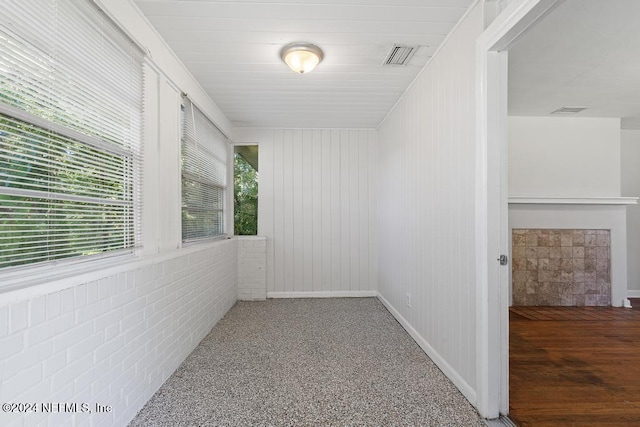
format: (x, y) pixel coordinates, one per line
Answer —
(204, 175)
(70, 132)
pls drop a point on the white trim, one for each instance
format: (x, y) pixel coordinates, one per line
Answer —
(467, 391)
(491, 183)
(269, 128)
(633, 293)
(326, 294)
(542, 200)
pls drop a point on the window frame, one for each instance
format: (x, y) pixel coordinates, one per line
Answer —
(221, 140)
(130, 153)
(232, 196)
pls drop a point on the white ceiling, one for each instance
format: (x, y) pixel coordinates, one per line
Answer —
(584, 53)
(232, 48)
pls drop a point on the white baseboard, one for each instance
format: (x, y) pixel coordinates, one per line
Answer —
(323, 294)
(468, 392)
(631, 293)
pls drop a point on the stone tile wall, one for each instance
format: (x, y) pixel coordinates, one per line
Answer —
(561, 267)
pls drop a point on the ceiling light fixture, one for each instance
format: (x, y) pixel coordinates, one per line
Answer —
(301, 57)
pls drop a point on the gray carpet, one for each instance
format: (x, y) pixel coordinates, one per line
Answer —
(308, 362)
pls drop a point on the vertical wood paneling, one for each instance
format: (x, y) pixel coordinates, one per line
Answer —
(319, 208)
(278, 213)
(372, 148)
(289, 212)
(335, 202)
(326, 258)
(345, 209)
(426, 220)
(316, 211)
(307, 210)
(363, 209)
(297, 258)
(354, 211)
(267, 207)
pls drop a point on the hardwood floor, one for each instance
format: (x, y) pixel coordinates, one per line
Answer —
(574, 366)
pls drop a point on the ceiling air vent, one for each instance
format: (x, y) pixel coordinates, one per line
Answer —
(568, 110)
(400, 55)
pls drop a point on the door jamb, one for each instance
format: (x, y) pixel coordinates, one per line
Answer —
(491, 201)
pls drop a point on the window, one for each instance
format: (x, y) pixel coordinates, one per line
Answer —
(245, 190)
(70, 143)
(204, 171)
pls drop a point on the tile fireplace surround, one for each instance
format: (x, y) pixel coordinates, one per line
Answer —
(554, 267)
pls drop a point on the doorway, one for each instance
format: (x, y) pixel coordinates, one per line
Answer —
(493, 47)
(492, 201)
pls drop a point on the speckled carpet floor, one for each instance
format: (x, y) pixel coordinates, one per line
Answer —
(308, 362)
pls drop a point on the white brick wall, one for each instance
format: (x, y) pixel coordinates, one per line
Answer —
(252, 266)
(113, 341)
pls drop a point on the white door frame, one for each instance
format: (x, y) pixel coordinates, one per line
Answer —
(492, 239)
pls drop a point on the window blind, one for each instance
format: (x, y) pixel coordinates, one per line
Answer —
(204, 175)
(70, 133)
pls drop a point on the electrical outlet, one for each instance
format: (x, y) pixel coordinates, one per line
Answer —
(408, 299)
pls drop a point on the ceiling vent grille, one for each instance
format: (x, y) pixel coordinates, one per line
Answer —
(400, 55)
(568, 110)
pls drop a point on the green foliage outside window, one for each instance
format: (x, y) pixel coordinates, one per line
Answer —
(36, 227)
(245, 197)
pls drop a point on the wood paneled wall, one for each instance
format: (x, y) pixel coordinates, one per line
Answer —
(317, 208)
(426, 216)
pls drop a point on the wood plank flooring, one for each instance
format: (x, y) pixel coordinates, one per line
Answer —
(574, 366)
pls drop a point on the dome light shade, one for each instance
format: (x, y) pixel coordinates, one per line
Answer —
(301, 57)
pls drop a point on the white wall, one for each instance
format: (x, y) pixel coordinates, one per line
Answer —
(631, 187)
(564, 156)
(317, 203)
(112, 331)
(426, 207)
(252, 268)
(113, 340)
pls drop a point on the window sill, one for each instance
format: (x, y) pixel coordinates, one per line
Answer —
(205, 240)
(31, 283)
